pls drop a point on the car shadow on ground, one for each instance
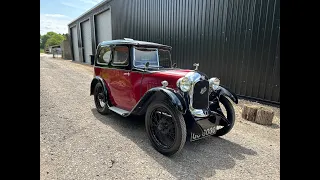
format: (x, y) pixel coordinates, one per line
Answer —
(197, 160)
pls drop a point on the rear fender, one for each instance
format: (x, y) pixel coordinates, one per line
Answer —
(94, 81)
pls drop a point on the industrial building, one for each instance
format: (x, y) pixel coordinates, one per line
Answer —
(237, 41)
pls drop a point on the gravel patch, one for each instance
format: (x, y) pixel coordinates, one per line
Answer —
(76, 142)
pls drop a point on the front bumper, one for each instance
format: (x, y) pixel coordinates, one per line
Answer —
(201, 127)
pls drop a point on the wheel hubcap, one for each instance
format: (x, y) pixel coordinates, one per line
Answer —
(102, 104)
(101, 99)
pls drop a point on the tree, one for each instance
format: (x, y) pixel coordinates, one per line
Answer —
(55, 39)
(51, 33)
(65, 36)
(44, 39)
(50, 39)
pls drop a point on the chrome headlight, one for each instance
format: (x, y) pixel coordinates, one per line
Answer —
(214, 83)
(184, 84)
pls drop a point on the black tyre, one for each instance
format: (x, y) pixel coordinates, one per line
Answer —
(165, 127)
(100, 99)
(229, 113)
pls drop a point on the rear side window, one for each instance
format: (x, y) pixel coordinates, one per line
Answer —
(104, 55)
(120, 56)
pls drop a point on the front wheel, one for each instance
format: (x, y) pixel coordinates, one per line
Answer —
(165, 127)
(228, 111)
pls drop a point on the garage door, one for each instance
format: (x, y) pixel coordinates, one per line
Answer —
(86, 40)
(75, 43)
(103, 26)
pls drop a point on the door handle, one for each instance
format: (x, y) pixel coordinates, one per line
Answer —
(126, 74)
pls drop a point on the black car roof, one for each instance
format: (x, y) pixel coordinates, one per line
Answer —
(133, 42)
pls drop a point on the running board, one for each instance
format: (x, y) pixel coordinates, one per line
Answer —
(117, 110)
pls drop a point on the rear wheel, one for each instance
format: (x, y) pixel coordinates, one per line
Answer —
(165, 127)
(100, 99)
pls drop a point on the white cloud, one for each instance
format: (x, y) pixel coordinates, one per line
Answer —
(54, 22)
(91, 1)
(77, 6)
(58, 22)
(73, 5)
(56, 15)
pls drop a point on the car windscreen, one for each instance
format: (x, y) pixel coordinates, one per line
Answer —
(144, 55)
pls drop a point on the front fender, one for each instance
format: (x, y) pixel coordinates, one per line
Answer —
(157, 94)
(226, 92)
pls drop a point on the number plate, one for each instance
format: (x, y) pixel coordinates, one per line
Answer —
(206, 132)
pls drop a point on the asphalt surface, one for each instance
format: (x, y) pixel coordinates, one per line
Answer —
(76, 142)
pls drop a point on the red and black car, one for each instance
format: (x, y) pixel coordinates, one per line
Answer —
(138, 78)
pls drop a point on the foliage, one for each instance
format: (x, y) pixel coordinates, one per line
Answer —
(51, 39)
(55, 39)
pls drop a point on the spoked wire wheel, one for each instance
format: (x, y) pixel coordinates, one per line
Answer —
(162, 127)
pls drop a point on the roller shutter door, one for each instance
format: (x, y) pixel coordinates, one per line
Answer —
(75, 43)
(86, 40)
(103, 26)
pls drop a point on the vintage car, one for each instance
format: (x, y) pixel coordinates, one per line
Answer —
(138, 78)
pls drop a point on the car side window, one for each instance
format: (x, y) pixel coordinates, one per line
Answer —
(120, 56)
(164, 58)
(104, 55)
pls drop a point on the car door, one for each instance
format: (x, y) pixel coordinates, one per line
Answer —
(119, 80)
(114, 66)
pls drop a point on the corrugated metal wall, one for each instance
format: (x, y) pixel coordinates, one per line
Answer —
(236, 40)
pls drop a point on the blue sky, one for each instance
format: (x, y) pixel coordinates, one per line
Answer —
(55, 15)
